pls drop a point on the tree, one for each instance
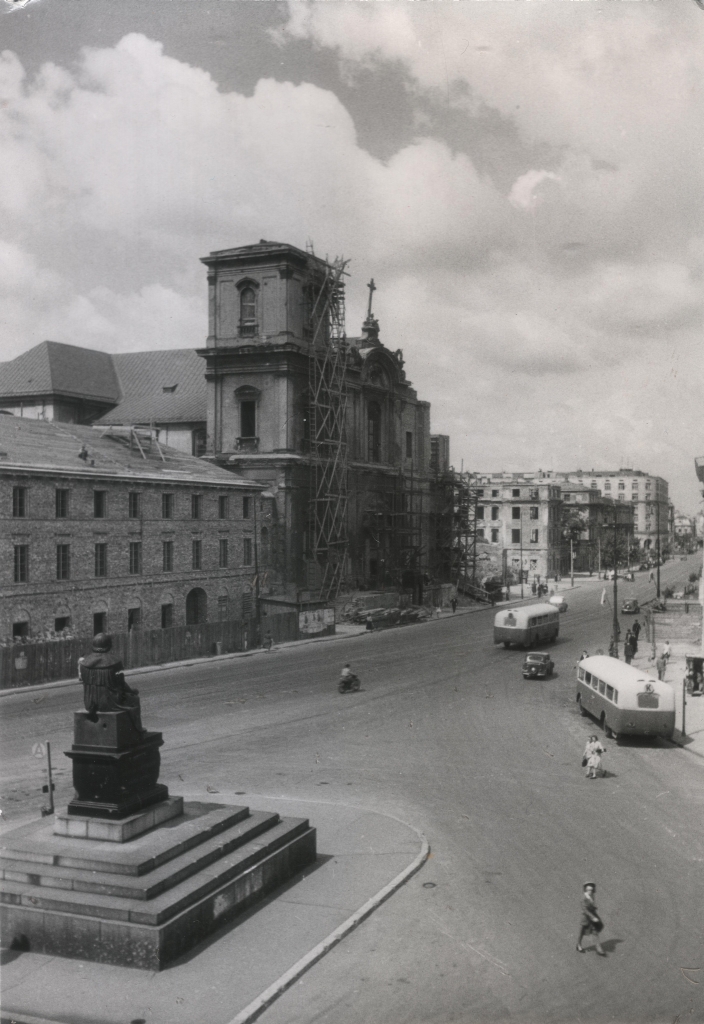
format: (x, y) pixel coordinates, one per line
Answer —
(572, 523)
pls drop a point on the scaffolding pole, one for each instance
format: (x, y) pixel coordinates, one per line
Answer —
(328, 440)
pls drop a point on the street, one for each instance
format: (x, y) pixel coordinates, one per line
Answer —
(447, 736)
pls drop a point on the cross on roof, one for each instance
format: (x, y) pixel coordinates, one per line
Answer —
(372, 288)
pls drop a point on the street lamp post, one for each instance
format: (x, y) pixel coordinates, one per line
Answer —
(657, 542)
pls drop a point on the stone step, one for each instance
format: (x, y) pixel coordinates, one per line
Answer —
(151, 947)
(36, 843)
(168, 903)
(146, 886)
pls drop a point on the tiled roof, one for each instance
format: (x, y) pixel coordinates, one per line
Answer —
(55, 447)
(53, 368)
(167, 386)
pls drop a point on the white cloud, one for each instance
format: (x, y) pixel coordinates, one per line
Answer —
(518, 306)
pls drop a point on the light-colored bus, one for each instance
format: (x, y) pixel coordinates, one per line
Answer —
(624, 699)
(527, 625)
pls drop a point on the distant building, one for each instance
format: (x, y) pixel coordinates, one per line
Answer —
(107, 530)
(685, 529)
(519, 526)
(646, 493)
(598, 513)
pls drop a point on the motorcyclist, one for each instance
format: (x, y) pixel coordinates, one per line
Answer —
(348, 680)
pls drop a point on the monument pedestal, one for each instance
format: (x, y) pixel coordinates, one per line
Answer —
(127, 875)
(115, 766)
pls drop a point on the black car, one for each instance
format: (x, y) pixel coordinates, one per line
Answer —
(630, 607)
(537, 666)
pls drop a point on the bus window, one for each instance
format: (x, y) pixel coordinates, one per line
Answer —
(588, 677)
(580, 673)
(602, 686)
(531, 622)
(610, 692)
(595, 682)
(615, 696)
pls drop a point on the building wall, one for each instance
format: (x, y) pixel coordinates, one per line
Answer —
(537, 549)
(43, 598)
(646, 493)
(388, 509)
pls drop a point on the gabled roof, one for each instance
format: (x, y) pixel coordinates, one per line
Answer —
(68, 371)
(55, 448)
(167, 386)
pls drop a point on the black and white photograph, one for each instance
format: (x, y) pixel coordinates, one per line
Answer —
(351, 511)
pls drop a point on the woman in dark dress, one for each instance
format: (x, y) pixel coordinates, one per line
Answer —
(591, 922)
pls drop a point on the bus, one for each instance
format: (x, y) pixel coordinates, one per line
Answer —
(527, 625)
(624, 699)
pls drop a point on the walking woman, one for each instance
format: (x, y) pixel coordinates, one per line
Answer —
(591, 922)
(591, 759)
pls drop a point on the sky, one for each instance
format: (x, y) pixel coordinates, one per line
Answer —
(522, 180)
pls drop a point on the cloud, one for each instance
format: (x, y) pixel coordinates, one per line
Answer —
(519, 299)
(523, 194)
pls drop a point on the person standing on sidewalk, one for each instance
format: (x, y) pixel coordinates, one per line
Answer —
(591, 923)
(636, 634)
(661, 666)
(453, 602)
(667, 651)
(628, 650)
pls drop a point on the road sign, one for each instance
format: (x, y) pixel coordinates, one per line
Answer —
(39, 750)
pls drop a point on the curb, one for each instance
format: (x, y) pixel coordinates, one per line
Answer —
(271, 994)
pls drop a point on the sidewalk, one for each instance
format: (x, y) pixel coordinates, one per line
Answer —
(693, 741)
(363, 857)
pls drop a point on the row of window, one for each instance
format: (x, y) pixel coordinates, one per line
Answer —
(20, 504)
(515, 536)
(533, 512)
(63, 558)
(533, 492)
(598, 684)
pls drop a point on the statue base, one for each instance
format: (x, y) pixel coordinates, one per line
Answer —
(115, 766)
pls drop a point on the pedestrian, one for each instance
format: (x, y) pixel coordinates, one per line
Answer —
(591, 758)
(583, 656)
(591, 923)
(268, 642)
(628, 651)
(661, 666)
(533, 587)
(652, 576)
(453, 602)
(667, 651)
(369, 622)
(636, 629)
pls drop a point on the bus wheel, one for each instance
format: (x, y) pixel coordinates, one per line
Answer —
(608, 732)
(582, 712)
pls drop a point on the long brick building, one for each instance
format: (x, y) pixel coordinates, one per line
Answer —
(108, 530)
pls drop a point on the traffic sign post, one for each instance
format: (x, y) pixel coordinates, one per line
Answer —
(41, 750)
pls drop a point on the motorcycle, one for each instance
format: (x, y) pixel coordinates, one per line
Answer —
(349, 684)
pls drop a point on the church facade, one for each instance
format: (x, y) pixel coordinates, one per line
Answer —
(258, 369)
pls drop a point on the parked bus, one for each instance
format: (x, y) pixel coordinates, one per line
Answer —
(530, 624)
(624, 699)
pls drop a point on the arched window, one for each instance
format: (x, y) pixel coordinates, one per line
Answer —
(248, 311)
(373, 432)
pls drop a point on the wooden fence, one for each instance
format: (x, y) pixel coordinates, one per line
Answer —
(24, 664)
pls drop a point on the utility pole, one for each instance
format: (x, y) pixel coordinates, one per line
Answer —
(657, 526)
(520, 536)
(572, 561)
